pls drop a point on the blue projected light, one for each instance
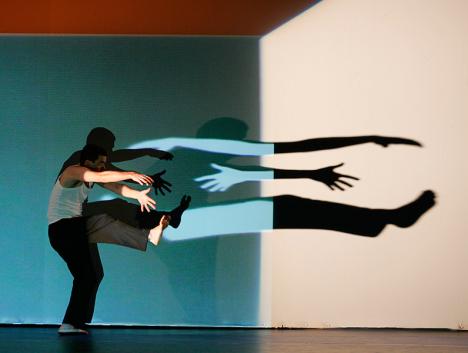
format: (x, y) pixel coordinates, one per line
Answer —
(227, 177)
(237, 218)
(56, 89)
(232, 147)
(234, 218)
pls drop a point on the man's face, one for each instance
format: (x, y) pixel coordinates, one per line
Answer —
(98, 165)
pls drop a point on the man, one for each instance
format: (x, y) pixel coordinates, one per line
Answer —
(74, 236)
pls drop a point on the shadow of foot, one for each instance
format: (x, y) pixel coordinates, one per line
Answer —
(407, 215)
(176, 213)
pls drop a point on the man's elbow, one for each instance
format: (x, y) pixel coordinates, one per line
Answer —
(92, 177)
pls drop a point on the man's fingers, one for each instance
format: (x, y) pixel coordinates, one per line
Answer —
(145, 180)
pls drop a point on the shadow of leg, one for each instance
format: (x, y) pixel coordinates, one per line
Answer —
(292, 212)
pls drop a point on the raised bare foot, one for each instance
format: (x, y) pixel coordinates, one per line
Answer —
(156, 233)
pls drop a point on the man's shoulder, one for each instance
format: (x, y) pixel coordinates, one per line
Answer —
(75, 168)
(72, 176)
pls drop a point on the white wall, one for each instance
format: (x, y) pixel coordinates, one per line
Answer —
(394, 68)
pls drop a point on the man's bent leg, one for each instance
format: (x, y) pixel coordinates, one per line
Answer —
(103, 228)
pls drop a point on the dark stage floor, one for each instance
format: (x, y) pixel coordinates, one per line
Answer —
(118, 340)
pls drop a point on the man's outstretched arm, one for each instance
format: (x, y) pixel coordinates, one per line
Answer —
(159, 184)
(145, 201)
(76, 173)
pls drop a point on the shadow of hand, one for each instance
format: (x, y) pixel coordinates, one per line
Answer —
(385, 141)
(160, 184)
(330, 178)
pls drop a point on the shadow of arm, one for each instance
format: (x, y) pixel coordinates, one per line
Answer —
(327, 143)
(129, 154)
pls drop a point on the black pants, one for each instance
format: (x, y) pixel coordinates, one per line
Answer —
(75, 240)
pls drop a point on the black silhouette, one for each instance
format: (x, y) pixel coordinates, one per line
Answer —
(328, 143)
(292, 212)
(159, 184)
(326, 175)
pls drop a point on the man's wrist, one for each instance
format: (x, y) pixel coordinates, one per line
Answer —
(127, 175)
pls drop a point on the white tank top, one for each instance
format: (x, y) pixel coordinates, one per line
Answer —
(66, 202)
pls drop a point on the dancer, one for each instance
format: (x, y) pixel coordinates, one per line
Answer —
(74, 236)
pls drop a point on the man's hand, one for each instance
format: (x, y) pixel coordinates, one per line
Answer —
(160, 184)
(141, 179)
(145, 201)
(330, 178)
(385, 141)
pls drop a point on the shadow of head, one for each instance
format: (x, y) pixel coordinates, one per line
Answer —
(102, 137)
(225, 128)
